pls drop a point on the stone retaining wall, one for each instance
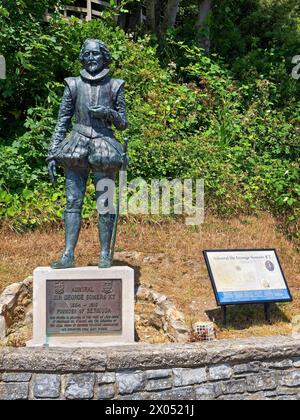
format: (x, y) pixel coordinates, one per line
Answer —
(260, 368)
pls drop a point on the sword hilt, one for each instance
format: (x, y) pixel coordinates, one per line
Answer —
(126, 140)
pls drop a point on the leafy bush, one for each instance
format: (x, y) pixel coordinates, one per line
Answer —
(190, 119)
(259, 39)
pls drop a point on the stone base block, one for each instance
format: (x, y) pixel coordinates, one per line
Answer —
(83, 307)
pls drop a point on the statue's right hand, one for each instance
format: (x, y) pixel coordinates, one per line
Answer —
(52, 171)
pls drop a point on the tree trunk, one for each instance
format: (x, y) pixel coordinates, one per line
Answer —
(151, 14)
(204, 10)
(170, 14)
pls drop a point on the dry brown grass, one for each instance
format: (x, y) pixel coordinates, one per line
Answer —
(181, 274)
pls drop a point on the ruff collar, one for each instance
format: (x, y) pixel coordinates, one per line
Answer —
(98, 77)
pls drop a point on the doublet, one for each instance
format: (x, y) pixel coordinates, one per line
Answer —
(91, 143)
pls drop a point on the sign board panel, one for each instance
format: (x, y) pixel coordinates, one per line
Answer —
(247, 276)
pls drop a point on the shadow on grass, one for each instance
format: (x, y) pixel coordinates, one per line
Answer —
(241, 317)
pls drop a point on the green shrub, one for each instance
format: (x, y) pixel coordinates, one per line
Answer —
(195, 121)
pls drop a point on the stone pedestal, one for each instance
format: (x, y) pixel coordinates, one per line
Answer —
(83, 307)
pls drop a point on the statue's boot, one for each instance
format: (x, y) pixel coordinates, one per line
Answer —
(72, 230)
(106, 225)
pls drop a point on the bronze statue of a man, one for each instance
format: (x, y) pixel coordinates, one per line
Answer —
(97, 102)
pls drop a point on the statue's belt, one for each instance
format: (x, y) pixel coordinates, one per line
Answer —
(95, 132)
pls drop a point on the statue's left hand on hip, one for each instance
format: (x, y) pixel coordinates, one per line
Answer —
(100, 111)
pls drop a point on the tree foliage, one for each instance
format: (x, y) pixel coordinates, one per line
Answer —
(224, 117)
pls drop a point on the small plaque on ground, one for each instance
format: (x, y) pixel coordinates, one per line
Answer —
(92, 307)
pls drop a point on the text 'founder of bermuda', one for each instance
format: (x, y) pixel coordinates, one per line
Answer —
(97, 102)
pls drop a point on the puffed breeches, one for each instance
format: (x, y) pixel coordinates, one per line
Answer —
(100, 154)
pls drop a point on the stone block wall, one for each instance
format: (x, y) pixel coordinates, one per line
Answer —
(256, 369)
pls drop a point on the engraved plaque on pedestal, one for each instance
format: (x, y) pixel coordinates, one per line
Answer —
(84, 307)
